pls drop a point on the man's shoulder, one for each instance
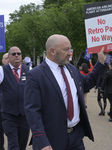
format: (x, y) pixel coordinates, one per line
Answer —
(25, 66)
(35, 70)
(6, 67)
(73, 68)
(109, 72)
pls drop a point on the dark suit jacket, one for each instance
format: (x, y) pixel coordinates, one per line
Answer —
(107, 83)
(45, 108)
(0, 100)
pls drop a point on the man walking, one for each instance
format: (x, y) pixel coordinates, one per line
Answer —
(12, 81)
(54, 98)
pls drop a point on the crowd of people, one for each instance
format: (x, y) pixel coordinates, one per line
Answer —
(103, 88)
(106, 89)
(48, 99)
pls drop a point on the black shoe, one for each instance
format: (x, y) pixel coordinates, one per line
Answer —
(2, 148)
(108, 113)
(102, 113)
(110, 120)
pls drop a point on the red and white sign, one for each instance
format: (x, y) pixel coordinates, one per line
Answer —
(98, 24)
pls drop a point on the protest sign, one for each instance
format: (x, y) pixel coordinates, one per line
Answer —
(98, 25)
(2, 34)
(108, 59)
(87, 56)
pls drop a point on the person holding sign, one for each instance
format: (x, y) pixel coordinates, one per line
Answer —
(54, 98)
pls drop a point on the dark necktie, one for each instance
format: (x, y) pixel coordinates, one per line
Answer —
(16, 74)
(70, 109)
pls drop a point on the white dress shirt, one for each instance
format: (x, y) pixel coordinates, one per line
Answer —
(57, 73)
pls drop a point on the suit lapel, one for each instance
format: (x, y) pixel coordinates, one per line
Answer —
(74, 75)
(52, 79)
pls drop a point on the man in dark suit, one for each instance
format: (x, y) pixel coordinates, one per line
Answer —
(106, 88)
(12, 81)
(53, 126)
(5, 61)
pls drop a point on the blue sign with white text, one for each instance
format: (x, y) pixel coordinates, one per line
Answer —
(87, 56)
(108, 59)
(2, 34)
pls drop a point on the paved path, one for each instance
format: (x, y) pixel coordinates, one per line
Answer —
(102, 128)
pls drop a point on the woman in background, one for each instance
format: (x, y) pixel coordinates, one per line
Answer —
(86, 70)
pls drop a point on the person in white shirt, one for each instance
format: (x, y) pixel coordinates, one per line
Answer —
(5, 61)
(12, 81)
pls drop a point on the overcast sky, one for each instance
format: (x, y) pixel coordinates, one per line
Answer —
(9, 6)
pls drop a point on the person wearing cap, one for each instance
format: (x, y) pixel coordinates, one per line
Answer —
(12, 81)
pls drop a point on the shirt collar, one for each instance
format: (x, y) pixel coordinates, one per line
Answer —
(12, 67)
(51, 64)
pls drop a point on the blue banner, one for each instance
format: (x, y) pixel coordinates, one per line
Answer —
(87, 56)
(2, 34)
(108, 59)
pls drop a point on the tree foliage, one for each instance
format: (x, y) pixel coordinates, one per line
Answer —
(24, 9)
(30, 27)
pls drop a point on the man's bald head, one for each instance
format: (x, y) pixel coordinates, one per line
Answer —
(13, 49)
(54, 40)
(5, 59)
(58, 49)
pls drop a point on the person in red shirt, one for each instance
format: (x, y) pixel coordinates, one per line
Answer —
(86, 70)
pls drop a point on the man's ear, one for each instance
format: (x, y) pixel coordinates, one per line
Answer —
(52, 51)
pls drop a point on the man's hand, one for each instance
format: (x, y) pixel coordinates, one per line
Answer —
(47, 148)
(102, 56)
(90, 61)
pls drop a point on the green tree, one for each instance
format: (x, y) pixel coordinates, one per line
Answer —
(31, 26)
(59, 3)
(24, 9)
(68, 20)
(21, 30)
